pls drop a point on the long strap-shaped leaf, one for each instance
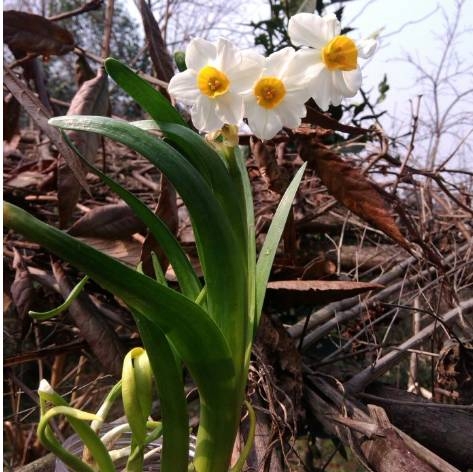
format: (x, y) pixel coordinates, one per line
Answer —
(216, 239)
(193, 334)
(185, 273)
(209, 164)
(142, 92)
(190, 144)
(168, 376)
(239, 176)
(270, 245)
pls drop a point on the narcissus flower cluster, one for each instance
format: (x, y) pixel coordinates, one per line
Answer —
(223, 85)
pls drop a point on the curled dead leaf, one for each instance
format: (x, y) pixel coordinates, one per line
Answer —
(290, 293)
(35, 34)
(158, 51)
(90, 99)
(113, 221)
(11, 117)
(22, 292)
(324, 121)
(352, 189)
(40, 115)
(100, 336)
(125, 250)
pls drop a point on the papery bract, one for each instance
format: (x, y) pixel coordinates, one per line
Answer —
(277, 97)
(331, 59)
(216, 75)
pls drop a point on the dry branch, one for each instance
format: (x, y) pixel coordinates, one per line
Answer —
(359, 381)
(382, 448)
(445, 429)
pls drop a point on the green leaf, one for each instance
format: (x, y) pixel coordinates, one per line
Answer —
(217, 243)
(268, 251)
(194, 335)
(168, 376)
(142, 92)
(239, 175)
(183, 269)
(196, 338)
(202, 156)
(209, 164)
(89, 438)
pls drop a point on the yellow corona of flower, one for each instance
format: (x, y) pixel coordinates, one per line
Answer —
(277, 97)
(331, 59)
(216, 75)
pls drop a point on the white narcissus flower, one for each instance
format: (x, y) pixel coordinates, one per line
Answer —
(216, 75)
(277, 97)
(331, 58)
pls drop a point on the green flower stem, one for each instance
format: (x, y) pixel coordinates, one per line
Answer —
(46, 315)
(238, 467)
(107, 404)
(93, 443)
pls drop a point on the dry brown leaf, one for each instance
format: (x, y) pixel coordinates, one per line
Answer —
(167, 211)
(125, 250)
(351, 188)
(11, 117)
(40, 116)
(289, 293)
(82, 71)
(27, 178)
(114, 221)
(99, 335)
(275, 176)
(157, 49)
(22, 292)
(323, 120)
(35, 34)
(90, 99)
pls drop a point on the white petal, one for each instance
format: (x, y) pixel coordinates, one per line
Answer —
(230, 108)
(330, 27)
(336, 99)
(204, 115)
(348, 82)
(263, 123)
(290, 116)
(305, 29)
(296, 102)
(44, 386)
(321, 89)
(243, 78)
(312, 72)
(183, 87)
(278, 61)
(199, 53)
(227, 55)
(366, 47)
(296, 70)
